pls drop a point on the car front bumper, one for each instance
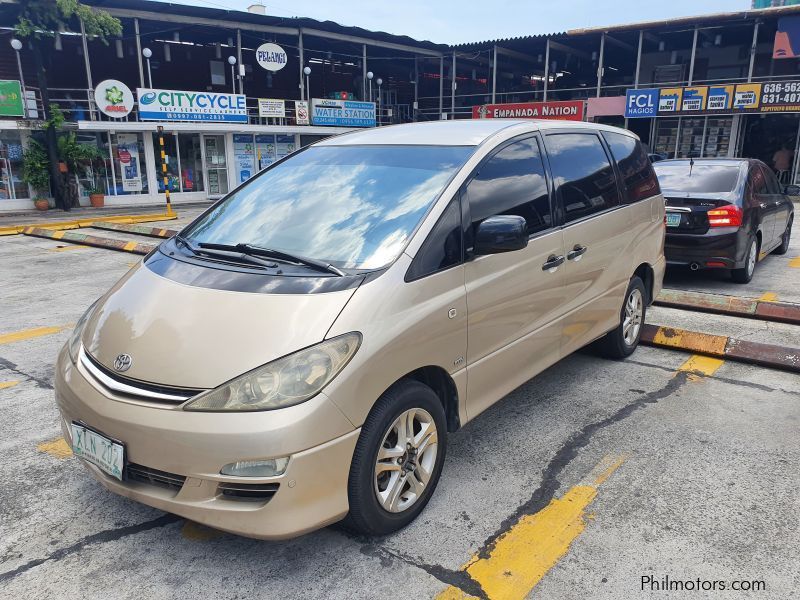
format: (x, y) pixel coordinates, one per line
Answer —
(193, 447)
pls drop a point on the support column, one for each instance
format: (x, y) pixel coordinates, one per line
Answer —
(139, 52)
(239, 64)
(638, 60)
(494, 75)
(164, 167)
(88, 65)
(453, 89)
(600, 63)
(753, 47)
(302, 61)
(546, 68)
(441, 85)
(416, 88)
(694, 50)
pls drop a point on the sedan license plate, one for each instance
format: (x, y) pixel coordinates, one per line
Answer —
(673, 219)
(98, 450)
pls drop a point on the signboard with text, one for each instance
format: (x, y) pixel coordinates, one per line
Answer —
(342, 113)
(271, 108)
(11, 99)
(571, 110)
(178, 105)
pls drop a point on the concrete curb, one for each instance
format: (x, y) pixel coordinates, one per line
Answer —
(137, 229)
(751, 308)
(719, 346)
(90, 240)
(78, 223)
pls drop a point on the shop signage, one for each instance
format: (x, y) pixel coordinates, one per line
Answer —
(113, 98)
(641, 103)
(244, 157)
(128, 154)
(301, 112)
(177, 105)
(571, 110)
(342, 113)
(11, 99)
(271, 107)
(271, 57)
(787, 38)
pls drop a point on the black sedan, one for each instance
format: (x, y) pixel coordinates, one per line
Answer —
(724, 213)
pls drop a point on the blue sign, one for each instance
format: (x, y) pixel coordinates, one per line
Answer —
(342, 113)
(641, 103)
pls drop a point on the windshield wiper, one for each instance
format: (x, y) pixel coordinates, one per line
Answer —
(251, 249)
(234, 254)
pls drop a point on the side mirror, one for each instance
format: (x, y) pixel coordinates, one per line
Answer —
(791, 190)
(501, 233)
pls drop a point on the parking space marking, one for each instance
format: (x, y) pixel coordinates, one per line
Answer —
(701, 365)
(7, 384)
(67, 248)
(57, 448)
(200, 533)
(527, 551)
(768, 297)
(26, 334)
(795, 262)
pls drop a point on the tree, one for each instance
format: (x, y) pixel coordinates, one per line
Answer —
(40, 20)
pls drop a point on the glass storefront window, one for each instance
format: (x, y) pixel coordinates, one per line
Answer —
(244, 157)
(11, 184)
(171, 154)
(666, 137)
(98, 174)
(691, 141)
(130, 171)
(191, 162)
(717, 137)
(216, 164)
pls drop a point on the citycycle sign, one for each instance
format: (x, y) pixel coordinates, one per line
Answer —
(342, 113)
(177, 105)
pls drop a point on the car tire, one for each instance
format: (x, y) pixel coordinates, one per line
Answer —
(621, 341)
(384, 486)
(745, 274)
(786, 238)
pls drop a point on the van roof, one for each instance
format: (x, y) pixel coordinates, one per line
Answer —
(460, 132)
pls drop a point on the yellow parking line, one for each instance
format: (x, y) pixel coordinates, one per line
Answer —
(527, 551)
(129, 246)
(768, 297)
(795, 262)
(701, 365)
(66, 248)
(200, 533)
(7, 384)
(57, 448)
(26, 334)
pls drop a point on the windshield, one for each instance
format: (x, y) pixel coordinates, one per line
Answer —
(351, 206)
(706, 179)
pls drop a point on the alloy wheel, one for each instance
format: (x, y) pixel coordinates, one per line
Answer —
(406, 459)
(751, 258)
(634, 311)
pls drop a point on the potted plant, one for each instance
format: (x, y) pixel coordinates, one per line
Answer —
(36, 173)
(97, 197)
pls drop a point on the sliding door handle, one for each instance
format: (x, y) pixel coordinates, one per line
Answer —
(576, 252)
(553, 262)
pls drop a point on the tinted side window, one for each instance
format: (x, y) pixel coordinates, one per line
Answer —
(442, 247)
(773, 187)
(512, 182)
(758, 183)
(638, 176)
(582, 174)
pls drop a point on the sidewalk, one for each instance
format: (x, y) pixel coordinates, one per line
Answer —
(35, 217)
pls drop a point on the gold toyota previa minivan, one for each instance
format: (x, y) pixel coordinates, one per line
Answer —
(299, 354)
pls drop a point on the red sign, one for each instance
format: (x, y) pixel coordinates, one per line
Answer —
(571, 110)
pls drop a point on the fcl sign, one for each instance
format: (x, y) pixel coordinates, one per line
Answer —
(641, 103)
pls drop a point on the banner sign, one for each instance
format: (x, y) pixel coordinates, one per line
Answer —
(113, 98)
(641, 103)
(176, 105)
(128, 154)
(271, 107)
(787, 38)
(301, 112)
(271, 57)
(342, 113)
(571, 110)
(244, 157)
(11, 99)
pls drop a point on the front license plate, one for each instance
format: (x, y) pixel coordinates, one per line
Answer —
(98, 450)
(673, 219)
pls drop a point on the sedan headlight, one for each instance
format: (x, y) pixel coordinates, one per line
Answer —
(284, 382)
(74, 343)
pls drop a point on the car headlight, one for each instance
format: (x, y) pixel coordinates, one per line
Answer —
(74, 343)
(284, 382)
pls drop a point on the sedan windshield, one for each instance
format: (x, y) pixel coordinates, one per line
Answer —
(353, 207)
(705, 179)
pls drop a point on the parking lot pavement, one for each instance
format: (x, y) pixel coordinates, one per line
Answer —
(580, 483)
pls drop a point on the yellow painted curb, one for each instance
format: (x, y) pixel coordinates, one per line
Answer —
(78, 223)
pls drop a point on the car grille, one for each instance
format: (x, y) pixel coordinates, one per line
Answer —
(254, 492)
(142, 474)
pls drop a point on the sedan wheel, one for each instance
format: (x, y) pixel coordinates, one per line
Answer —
(745, 274)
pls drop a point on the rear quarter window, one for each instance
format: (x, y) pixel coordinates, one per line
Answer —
(638, 178)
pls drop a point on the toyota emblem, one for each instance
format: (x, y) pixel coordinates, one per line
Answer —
(123, 362)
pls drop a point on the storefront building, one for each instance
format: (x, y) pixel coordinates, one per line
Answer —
(228, 93)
